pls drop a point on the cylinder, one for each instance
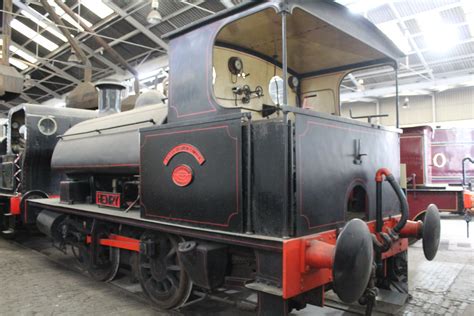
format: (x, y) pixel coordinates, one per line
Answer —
(49, 223)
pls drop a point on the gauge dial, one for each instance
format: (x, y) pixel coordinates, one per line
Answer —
(293, 82)
(235, 65)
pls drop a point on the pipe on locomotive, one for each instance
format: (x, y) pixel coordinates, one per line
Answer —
(400, 195)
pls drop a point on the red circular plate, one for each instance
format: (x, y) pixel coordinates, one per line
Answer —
(182, 175)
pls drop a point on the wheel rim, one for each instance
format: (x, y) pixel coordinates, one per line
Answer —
(161, 276)
(107, 263)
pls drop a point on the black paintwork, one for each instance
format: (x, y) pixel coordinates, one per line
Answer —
(36, 157)
(205, 262)
(268, 178)
(325, 149)
(214, 197)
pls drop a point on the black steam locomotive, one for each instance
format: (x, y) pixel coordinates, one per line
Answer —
(248, 176)
(30, 135)
(25, 172)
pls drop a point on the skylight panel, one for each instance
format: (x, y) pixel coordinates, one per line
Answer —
(18, 63)
(360, 7)
(98, 8)
(33, 35)
(20, 52)
(468, 8)
(438, 35)
(48, 28)
(67, 17)
(394, 33)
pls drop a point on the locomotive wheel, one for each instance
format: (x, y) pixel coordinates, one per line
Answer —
(431, 232)
(107, 262)
(352, 261)
(160, 273)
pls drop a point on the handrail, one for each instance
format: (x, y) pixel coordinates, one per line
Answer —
(99, 130)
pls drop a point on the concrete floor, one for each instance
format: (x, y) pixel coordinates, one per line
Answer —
(35, 279)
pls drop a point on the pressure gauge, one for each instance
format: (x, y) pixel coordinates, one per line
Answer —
(47, 126)
(235, 65)
(293, 82)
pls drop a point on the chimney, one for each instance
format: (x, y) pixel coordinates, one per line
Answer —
(110, 97)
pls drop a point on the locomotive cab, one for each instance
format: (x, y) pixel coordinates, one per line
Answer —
(248, 173)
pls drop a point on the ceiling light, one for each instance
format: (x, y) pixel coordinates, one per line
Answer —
(98, 8)
(394, 33)
(154, 16)
(33, 35)
(73, 57)
(42, 24)
(28, 82)
(438, 35)
(406, 103)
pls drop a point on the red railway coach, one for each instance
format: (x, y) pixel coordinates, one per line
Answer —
(439, 168)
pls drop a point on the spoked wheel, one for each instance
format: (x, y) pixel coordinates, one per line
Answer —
(160, 273)
(107, 262)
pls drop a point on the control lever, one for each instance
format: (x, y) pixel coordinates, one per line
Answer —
(247, 93)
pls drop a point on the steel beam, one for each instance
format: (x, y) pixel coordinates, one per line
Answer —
(95, 54)
(137, 24)
(28, 98)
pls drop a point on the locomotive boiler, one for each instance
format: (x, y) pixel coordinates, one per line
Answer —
(233, 181)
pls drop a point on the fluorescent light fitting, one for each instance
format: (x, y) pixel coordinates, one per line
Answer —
(394, 33)
(33, 35)
(98, 7)
(42, 24)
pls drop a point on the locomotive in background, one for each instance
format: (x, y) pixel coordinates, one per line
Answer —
(439, 164)
(30, 135)
(233, 182)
